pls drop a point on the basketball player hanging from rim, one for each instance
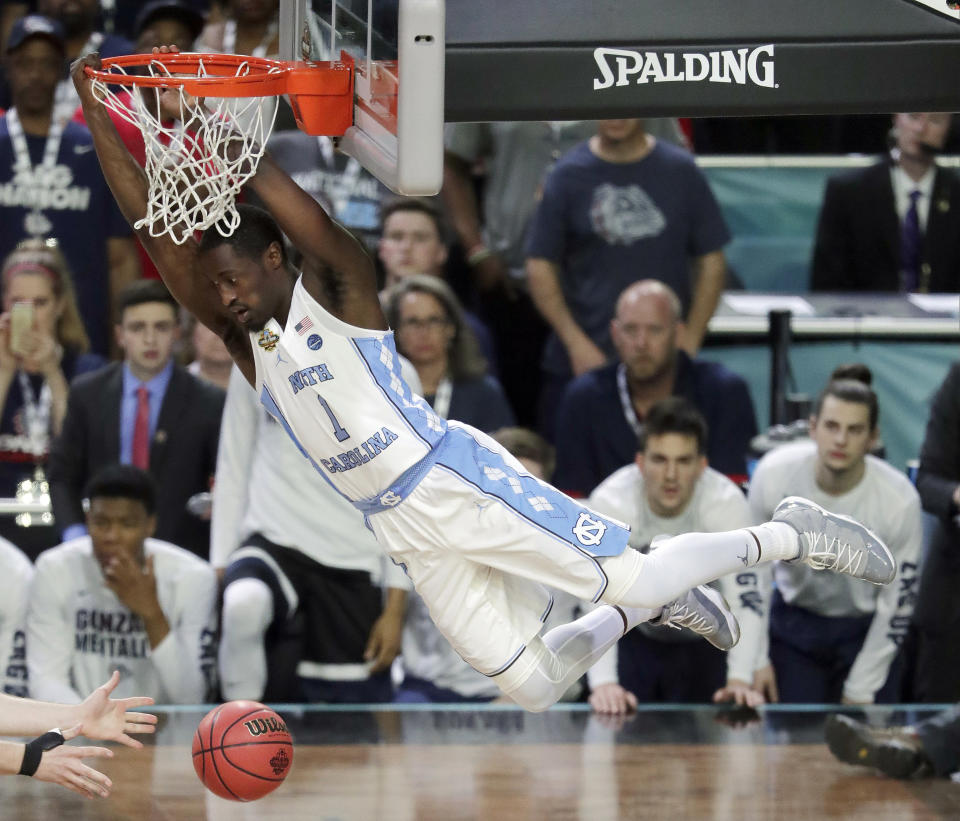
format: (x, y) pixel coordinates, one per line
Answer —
(476, 533)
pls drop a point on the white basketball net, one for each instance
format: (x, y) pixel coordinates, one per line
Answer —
(193, 178)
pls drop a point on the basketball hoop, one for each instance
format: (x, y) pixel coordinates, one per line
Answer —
(205, 140)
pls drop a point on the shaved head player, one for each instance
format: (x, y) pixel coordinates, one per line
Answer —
(475, 532)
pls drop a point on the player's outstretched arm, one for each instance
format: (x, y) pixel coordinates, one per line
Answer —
(100, 716)
(324, 243)
(57, 763)
(128, 182)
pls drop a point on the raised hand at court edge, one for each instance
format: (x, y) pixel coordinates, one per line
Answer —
(739, 693)
(612, 699)
(765, 682)
(383, 645)
(108, 719)
(63, 765)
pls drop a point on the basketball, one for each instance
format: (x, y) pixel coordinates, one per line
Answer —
(242, 750)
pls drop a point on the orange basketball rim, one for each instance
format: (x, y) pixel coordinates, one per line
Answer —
(320, 92)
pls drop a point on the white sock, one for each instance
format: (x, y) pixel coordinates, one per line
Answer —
(778, 540)
(247, 613)
(682, 562)
(567, 652)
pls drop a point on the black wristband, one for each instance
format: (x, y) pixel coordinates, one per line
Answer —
(33, 750)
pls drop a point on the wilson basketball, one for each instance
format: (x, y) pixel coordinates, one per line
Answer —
(242, 750)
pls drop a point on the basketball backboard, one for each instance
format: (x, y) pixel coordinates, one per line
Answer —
(397, 47)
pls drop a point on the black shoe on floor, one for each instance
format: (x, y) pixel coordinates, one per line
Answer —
(894, 752)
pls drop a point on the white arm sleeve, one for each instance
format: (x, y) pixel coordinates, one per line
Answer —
(13, 615)
(746, 591)
(604, 670)
(760, 498)
(185, 659)
(392, 575)
(238, 430)
(748, 594)
(50, 638)
(894, 609)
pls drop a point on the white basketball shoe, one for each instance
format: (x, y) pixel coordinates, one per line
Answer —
(704, 611)
(829, 541)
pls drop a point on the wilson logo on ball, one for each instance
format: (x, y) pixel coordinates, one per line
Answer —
(259, 726)
(280, 761)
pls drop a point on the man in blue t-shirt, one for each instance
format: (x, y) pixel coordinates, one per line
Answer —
(601, 415)
(51, 184)
(620, 207)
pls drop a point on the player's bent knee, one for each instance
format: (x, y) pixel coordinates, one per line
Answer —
(247, 606)
(537, 696)
(535, 680)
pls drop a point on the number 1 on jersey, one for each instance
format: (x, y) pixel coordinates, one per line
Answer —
(338, 429)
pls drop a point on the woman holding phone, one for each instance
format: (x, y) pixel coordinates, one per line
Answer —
(43, 345)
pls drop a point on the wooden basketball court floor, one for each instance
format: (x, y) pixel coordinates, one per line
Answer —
(500, 763)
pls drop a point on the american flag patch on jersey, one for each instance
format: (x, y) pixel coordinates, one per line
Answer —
(303, 325)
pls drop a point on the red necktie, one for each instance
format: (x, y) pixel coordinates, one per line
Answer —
(141, 430)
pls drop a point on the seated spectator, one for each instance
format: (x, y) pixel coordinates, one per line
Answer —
(15, 574)
(351, 194)
(39, 356)
(432, 670)
(159, 23)
(203, 353)
(602, 411)
(937, 615)
(167, 23)
(248, 28)
(667, 491)
(119, 599)
(432, 333)
(312, 608)
(126, 17)
(619, 207)
(72, 202)
(832, 638)
(145, 411)
(412, 243)
(894, 226)
(80, 22)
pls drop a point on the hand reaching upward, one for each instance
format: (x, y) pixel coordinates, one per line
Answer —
(112, 719)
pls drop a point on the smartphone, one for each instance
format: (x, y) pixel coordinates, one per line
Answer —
(21, 323)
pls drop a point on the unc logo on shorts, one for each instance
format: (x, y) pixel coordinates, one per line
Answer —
(589, 531)
(390, 499)
(314, 341)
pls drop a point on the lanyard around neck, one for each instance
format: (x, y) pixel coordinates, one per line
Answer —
(36, 411)
(21, 153)
(628, 410)
(441, 399)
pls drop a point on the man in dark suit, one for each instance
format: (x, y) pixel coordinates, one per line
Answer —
(894, 226)
(937, 614)
(146, 411)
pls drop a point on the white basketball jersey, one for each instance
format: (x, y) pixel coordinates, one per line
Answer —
(338, 392)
